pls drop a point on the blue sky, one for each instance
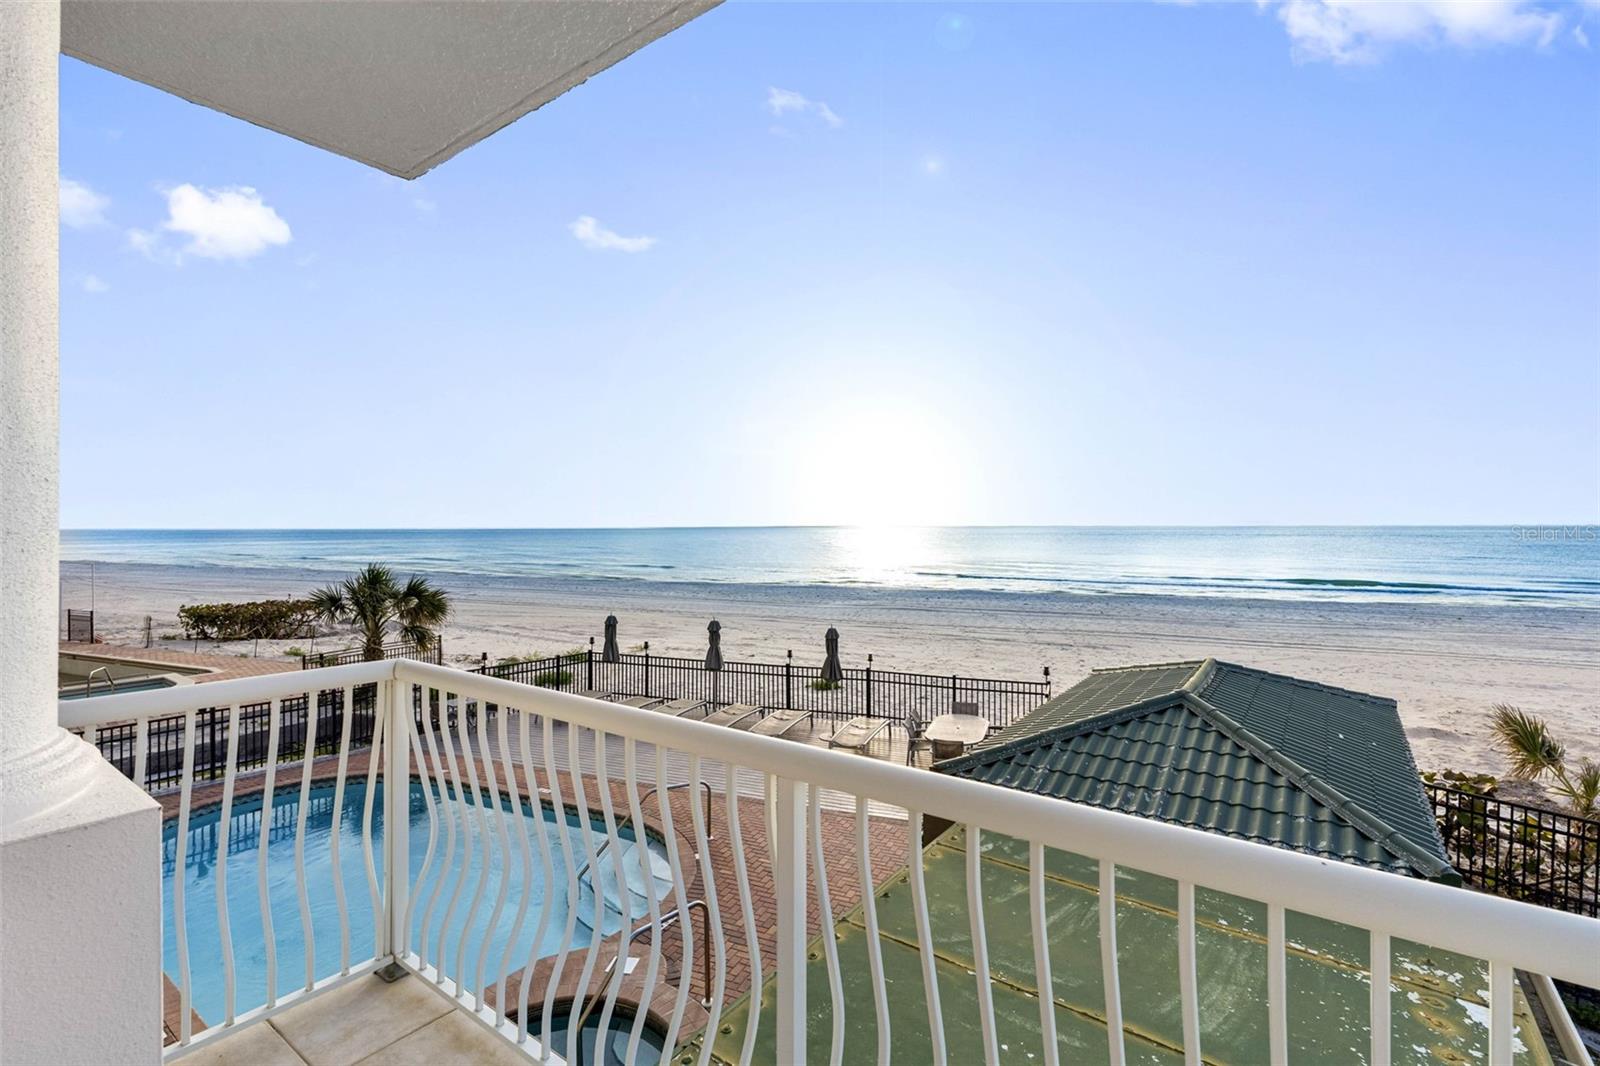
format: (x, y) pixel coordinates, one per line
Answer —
(1044, 263)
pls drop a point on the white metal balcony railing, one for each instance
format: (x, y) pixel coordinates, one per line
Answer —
(601, 761)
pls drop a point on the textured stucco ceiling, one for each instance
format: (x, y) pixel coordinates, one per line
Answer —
(401, 85)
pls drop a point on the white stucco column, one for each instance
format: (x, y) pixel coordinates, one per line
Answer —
(80, 883)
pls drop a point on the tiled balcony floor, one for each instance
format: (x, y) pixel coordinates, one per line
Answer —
(367, 1021)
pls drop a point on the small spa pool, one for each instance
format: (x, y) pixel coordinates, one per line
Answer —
(244, 912)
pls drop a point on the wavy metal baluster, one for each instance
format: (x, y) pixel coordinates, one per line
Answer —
(525, 996)
(565, 839)
(1116, 1050)
(489, 809)
(919, 901)
(425, 779)
(980, 944)
(752, 937)
(1041, 954)
(614, 851)
(469, 761)
(652, 901)
(348, 707)
(521, 824)
(307, 757)
(463, 811)
(686, 920)
(580, 797)
(869, 900)
(268, 939)
(830, 938)
(718, 945)
(366, 824)
(224, 822)
(179, 914)
(447, 814)
(615, 848)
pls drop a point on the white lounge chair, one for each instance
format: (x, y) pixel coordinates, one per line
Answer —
(778, 723)
(857, 733)
(732, 714)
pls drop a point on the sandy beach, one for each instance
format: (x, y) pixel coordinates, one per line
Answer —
(1446, 664)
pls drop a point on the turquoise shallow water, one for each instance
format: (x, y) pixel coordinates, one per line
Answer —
(1554, 565)
(244, 910)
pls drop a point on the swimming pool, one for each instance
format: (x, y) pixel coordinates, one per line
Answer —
(244, 912)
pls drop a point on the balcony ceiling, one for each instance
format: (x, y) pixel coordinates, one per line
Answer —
(399, 86)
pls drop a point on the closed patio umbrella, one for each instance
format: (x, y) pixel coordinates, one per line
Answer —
(831, 670)
(610, 654)
(714, 652)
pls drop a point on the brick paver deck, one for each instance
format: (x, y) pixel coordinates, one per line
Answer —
(221, 667)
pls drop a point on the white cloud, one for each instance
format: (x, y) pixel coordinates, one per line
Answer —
(230, 223)
(81, 206)
(1361, 31)
(92, 283)
(1580, 36)
(786, 101)
(591, 234)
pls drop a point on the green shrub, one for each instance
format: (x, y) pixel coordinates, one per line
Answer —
(294, 651)
(1479, 784)
(261, 620)
(552, 678)
(822, 684)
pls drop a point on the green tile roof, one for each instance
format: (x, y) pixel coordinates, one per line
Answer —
(1232, 750)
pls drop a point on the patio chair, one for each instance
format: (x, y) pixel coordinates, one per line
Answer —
(916, 726)
(857, 733)
(643, 703)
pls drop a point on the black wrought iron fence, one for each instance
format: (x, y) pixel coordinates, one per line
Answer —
(80, 626)
(164, 741)
(892, 694)
(1528, 853)
(433, 653)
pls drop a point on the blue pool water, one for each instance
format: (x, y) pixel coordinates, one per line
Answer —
(200, 878)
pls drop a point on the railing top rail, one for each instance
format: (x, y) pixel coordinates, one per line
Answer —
(1563, 946)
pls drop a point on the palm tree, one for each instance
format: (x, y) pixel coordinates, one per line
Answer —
(373, 600)
(1534, 752)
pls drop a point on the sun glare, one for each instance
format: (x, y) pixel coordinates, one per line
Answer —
(880, 465)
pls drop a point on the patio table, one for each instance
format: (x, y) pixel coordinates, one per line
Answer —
(951, 734)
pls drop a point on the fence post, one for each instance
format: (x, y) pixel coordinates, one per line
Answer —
(589, 672)
(788, 681)
(396, 815)
(953, 693)
(869, 684)
(790, 870)
(647, 668)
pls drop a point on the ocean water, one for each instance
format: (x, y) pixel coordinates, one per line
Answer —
(1555, 565)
